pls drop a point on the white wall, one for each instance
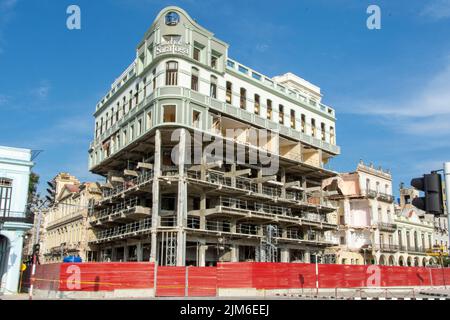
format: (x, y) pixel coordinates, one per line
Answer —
(15, 164)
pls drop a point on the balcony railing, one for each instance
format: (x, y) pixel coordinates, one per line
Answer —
(313, 217)
(124, 230)
(247, 184)
(142, 178)
(14, 216)
(116, 209)
(385, 197)
(372, 194)
(386, 247)
(417, 249)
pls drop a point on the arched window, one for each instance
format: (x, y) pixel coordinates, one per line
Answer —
(171, 73)
(5, 196)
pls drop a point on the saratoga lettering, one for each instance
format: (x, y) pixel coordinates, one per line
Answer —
(172, 47)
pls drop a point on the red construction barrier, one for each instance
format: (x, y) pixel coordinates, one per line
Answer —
(106, 276)
(235, 275)
(202, 281)
(47, 276)
(342, 276)
(441, 276)
(301, 275)
(405, 276)
(171, 281)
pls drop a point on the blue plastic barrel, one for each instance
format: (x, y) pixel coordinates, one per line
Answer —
(72, 259)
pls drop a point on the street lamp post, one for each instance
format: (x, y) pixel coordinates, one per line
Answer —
(36, 239)
(317, 254)
(36, 242)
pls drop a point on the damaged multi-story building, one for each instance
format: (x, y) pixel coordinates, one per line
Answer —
(207, 160)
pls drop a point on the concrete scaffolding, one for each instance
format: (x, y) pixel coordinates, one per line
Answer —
(203, 214)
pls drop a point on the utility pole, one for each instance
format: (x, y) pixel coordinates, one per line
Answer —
(447, 194)
(36, 242)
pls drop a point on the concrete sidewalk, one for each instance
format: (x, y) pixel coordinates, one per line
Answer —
(17, 296)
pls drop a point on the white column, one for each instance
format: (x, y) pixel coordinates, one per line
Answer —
(284, 255)
(234, 253)
(181, 202)
(14, 261)
(139, 251)
(156, 196)
(202, 254)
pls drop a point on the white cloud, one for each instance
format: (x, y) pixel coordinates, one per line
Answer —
(42, 90)
(3, 99)
(7, 4)
(425, 111)
(437, 9)
(6, 13)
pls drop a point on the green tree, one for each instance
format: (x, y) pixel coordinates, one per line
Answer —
(32, 186)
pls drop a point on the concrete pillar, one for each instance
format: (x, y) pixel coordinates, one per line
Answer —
(261, 230)
(233, 178)
(139, 252)
(234, 253)
(307, 256)
(233, 225)
(125, 252)
(303, 182)
(202, 254)
(202, 210)
(113, 254)
(283, 180)
(203, 163)
(284, 255)
(181, 202)
(260, 175)
(156, 196)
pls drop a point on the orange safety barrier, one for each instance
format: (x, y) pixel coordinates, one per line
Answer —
(171, 281)
(205, 281)
(202, 281)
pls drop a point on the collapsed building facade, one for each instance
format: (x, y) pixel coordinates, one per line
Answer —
(192, 176)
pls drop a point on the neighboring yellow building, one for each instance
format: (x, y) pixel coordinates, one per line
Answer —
(66, 227)
(372, 228)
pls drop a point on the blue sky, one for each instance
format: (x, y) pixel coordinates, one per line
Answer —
(390, 87)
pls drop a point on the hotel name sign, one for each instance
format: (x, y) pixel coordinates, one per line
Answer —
(172, 46)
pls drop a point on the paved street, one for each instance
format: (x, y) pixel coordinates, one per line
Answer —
(438, 293)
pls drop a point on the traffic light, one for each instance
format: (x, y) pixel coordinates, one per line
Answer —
(431, 185)
(51, 191)
(36, 248)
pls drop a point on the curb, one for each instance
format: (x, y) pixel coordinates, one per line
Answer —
(434, 294)
(366, 298)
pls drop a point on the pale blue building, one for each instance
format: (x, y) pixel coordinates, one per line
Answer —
(15, 169)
